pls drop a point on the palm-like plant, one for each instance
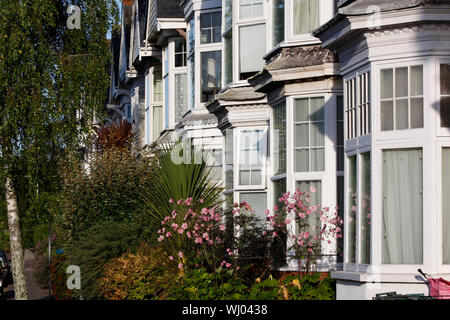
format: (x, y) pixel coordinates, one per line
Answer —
(119, 134)
(182, 181)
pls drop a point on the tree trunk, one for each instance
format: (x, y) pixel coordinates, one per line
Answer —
(15, 236)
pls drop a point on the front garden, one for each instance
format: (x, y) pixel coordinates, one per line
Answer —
(147, 228)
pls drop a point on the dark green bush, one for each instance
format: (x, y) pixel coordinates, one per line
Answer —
(110, 190)
(102, 243)
(199, 284)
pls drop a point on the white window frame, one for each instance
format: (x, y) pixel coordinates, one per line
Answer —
(441, 132)
(148, 110)
(327, 177)
(199, 48)
(438, 245)
(153, 103)
(237, 23)
(416, 133)
(326, 12)
(377, 207)
(237, 158)
(172, 72)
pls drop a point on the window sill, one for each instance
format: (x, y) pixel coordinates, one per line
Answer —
(382, 277)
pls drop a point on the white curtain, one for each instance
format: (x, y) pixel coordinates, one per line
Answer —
(306, 16)
(446, 205)
(402, 207)
(252, 47)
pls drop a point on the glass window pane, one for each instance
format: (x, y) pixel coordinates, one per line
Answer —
(401, 114)
(446, 205)
(387, 83)
(306, 16)
(301, 158)
(228, 52)
(351, 211)
(279, 189)
(317, 159)
(258, 202)
(402, 207)
(157, 121)
(278, 21)
(340, 204)
(301, 110)
(301, 138)
(316, 199)
(317, 109)
(279, 135)
(252, 47)
(416, 113)
(317, 134)
(157, 85)
(416, 81)
(445, 78)
(211, 74)
(229, 159)
(387, 115)
(181, 103)
(401, 82)
(445, 112)
(365, 208)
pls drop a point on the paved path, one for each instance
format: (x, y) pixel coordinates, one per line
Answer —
(34, 291)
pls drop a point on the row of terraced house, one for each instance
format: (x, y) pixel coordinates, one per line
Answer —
(349, 97)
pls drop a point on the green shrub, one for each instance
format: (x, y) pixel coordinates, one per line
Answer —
(110, 190)
(144, 275)
(102, 243)
(199, 284)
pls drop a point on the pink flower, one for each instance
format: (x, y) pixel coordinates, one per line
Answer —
(171, 258)
(222, 227)
(201, 200)
(287, 221)
(180, 266)
(184, 226)
(264, 233)
(309, 250)
(168, 234)
(306, 235)
(180, 254)
(171, 200)
(160, 238)
(188, 234)
(267, 212)
(312, 189)
(180, 231)
(228, 265)
(275, 234)
(198, 240)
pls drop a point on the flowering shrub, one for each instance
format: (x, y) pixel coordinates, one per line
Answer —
(194, 238)
(313, 226)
